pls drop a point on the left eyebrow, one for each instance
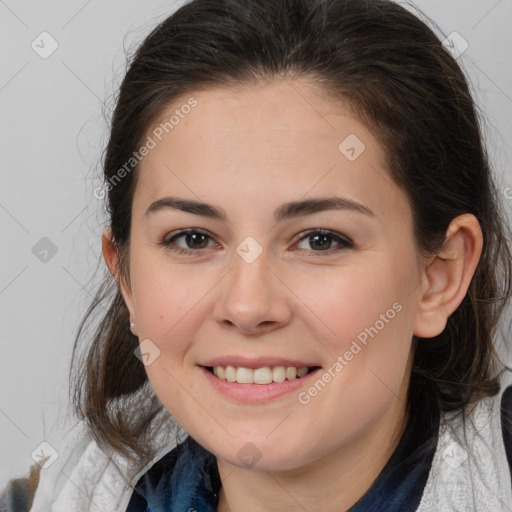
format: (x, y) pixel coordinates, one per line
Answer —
(284, 212)
(309, 206)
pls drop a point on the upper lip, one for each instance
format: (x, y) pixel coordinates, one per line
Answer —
(256, 362)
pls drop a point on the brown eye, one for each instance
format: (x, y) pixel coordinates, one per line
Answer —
(193, 240)
(321, 240)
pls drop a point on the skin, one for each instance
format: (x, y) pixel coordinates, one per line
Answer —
(248, 150)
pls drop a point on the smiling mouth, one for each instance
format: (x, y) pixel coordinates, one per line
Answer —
(263, 375)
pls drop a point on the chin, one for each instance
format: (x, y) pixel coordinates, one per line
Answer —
(252, 456)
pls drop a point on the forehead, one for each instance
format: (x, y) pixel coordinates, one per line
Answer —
(280, 138)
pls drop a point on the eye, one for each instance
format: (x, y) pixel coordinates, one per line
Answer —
(194, 240)
(323, 239)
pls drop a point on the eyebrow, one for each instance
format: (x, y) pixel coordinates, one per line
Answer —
(284, 212)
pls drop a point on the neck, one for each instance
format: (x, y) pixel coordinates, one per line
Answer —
(332, 483)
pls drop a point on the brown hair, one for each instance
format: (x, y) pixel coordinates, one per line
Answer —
(397, 76)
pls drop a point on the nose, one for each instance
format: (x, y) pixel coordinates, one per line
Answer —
(253, 298)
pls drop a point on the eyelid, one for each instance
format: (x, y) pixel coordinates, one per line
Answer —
(168, 239)
(185, 231)
(344, 242)
(324, 231)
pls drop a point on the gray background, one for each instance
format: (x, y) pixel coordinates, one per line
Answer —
(52, 136)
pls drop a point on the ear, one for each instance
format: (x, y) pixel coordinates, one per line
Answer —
(111, 256)
(448, 275)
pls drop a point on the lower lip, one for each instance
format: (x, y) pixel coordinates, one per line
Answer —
(256, 393)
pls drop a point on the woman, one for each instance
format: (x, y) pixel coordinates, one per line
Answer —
(309, 261)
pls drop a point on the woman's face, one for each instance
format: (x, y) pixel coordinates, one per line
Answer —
(252, 288)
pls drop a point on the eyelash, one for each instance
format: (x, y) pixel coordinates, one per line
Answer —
(344, 243)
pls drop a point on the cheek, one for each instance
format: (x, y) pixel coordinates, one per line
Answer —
(169, 304)
(348, 301)
(365, 322)
(169, 313)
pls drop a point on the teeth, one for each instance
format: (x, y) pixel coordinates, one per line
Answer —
(244, 376)
(302, 371)
(264, 375)
(278, 374)
(230, 373)
(291, 372)
(261, 375)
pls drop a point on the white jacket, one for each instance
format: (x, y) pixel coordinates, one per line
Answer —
(85, 479)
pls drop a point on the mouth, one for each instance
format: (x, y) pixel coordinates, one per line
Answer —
(264, 375)
(257, 385)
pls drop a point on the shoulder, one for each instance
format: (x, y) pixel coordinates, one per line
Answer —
(471, 467)
(84, 477)
(45, 477)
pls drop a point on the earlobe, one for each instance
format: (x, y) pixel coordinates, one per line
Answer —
(447, 277)
(110, 252)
